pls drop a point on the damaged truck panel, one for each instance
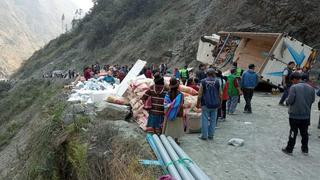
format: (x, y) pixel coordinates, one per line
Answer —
(270, 52)
(288, 49)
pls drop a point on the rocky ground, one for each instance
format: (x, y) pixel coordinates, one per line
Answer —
(260, 157)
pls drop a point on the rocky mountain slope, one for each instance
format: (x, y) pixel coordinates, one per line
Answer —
(119, 32)
(122, 31)
(26, 25)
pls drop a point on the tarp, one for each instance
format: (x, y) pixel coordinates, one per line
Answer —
(133, 73)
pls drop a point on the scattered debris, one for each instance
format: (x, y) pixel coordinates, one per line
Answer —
(236, 142)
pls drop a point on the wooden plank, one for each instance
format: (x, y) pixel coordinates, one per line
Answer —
(270, 53)
(251, 52)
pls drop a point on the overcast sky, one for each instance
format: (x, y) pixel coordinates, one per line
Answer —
(84, 4)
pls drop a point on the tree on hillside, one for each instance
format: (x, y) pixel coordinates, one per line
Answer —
(62, 22)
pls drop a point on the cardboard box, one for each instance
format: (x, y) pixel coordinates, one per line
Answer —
(193, 122)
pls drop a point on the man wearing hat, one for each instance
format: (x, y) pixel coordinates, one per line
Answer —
(249, 81)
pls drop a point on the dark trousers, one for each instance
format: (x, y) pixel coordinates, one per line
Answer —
(302, 126)
(224, 109)
(284, 95)
(248, 94)
(184, 80)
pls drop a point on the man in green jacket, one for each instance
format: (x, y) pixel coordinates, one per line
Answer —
(234, 91)
(184, 75)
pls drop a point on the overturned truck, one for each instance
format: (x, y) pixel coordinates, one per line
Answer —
(270, 52)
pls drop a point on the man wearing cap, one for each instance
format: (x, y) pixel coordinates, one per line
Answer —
(209, 99)
(249, 81)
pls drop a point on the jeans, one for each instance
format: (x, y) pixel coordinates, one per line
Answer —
(295, 125)
(248, 94)
(232, 103)
(208, 122)
(284, 95)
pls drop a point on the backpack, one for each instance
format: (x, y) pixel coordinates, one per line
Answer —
(211, 96)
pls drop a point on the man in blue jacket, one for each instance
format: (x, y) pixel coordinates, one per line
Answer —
(300, 99)
(250, 80)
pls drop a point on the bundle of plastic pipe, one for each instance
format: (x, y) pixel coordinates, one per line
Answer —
(185, 174)
(196, 172)
(174, 160)
(166, 158)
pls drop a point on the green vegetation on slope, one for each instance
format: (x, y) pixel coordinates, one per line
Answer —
(22, 103)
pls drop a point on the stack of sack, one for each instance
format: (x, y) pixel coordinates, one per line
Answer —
(118, 100)
(135, 92)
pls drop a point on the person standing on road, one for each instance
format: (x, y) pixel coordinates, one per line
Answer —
(201, 74)
(176, 73)
(210, 100)
(249, 81)
(156, 112)
(238, 72)
(222, 84)
(184, 75)
(300, 99)
(234, 92)
(174, 101)
(109, 78)
(286, 81)
(149, 73)
(225, 98)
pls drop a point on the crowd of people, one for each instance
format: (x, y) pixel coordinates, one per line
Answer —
(109, 72)
(219, 95)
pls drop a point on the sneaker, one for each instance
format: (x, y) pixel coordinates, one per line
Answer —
(210, 138)
(284, 150)
(281, 104)
(202, 138)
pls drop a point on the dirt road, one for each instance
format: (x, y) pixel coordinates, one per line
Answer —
(261, 156)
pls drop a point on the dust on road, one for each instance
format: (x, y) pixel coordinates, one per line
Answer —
(261, 156)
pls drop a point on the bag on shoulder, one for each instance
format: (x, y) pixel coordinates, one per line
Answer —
(211, 96)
